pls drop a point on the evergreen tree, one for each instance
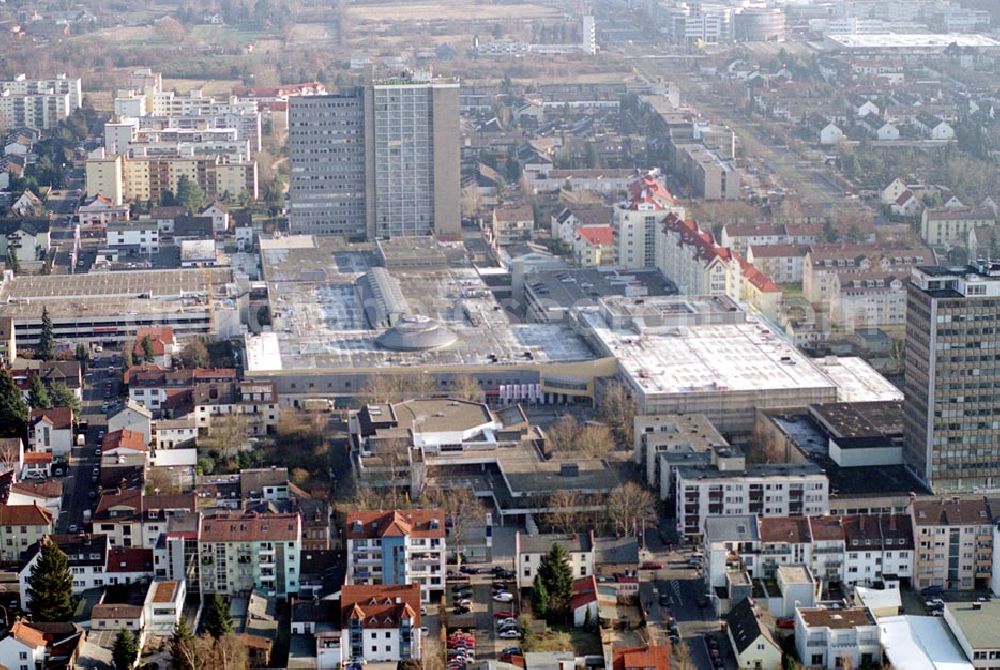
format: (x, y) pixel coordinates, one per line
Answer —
(182, 648)
(83, 357)
(147, 349)
(557, 577)
(38, 396)
(62, 396)
(217, 620)
(539, 597)
(189, 194)
(126, 650)
(50, 586)
(13, 410)
(46, 342)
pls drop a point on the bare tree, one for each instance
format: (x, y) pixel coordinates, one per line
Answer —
(467, 388)
(618, 408)
(565, 516)
(462, 508)
(393, 388)
(8, 456)
(560, 435)
(594, 440)
(227, 434)
(629, 506)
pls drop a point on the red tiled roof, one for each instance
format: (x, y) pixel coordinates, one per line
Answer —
(44, 489)
(760, 280)
(159, 338)
(123, 439)
(904, 197)
(37, 457)
(584, 592)
(641, 658)
(235, 527)
(24, 515)
(24, 633)
(648, 190)
(380, 605)
(389, 523)
(597, 236)
(61, 418)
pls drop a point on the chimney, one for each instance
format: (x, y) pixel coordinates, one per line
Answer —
(399, 600)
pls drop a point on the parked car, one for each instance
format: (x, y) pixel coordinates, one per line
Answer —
(464, 602)
(651, 565)
(509, 635)
(461, 609)
(664, 600)
(424, 630)
(503, 615)
(503, 597)
(934, 603)
(513, 651)
(73, 528)
(423, 611)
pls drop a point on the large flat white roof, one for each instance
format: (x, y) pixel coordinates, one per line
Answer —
(921, 643)
(746, 356)
(857, 381)
(912, 40)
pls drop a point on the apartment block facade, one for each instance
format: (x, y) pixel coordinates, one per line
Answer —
(380, 161)
(954, 542)
(397, 547)
(38, 103)
(950, 412)
(242, 552)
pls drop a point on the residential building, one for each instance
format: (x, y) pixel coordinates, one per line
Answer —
(67, 373)
(947, 430)
(933, 127)
(36, 465)
(164, 606)
(646, 657)
(27, 238)
(47, 494)
(753, 644)
(974, 626)
(846, 550)
(719, 481)
(531, 549)
(87, 556)
(20, 527)
(29, 645)
(38, 103)
(100, 210)
(947, 227)
(397, 547)
(117, 617)
(132, 417)
(512, 223)
(636, 220)
(954, 542)
(781, 262)
(837, 637)
(175, 433)
(162, 346)
(133, 238)
(378, 623)
(397, 143)
(652, 434)
(51, 430)
(8, 340)
(593, 246)
(123, 446)
(133, 518)
(242, 552)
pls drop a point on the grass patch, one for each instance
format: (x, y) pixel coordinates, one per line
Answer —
(560, 638)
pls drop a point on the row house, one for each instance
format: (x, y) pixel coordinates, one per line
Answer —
(41, 645)
(397, 547)
(21, 526)
(848, 549)
(150, 385)
(947, 227)
(568, 221)
(879, 128)
(255, 400)
(933, 127)
(781, 262)
(826, 264)
(87, 556)
(133, 518)
(242, 552)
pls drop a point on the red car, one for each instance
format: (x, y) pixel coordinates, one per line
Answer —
(651, 565)
(503, 615)
(787, 623)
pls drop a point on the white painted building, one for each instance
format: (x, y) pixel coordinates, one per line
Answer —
(837, 637)
(380, 623)
(164, 605)
(138, 237)
(530, 549)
